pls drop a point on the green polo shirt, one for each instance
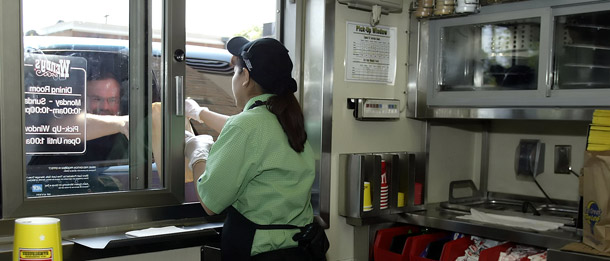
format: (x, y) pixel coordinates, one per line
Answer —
(253, 168)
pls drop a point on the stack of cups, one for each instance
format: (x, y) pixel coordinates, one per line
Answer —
(424, 8)
(37, 238)
(444, 7)
(366, 201)
(466, 6)
(401, 199)
(383, 202)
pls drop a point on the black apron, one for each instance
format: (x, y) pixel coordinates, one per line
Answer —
(238, 234)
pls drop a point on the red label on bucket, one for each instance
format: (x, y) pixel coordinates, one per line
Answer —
(29, 254)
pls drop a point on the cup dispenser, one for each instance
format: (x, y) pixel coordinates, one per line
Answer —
(377, 184)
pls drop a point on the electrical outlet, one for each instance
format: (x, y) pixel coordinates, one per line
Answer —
(563, 159)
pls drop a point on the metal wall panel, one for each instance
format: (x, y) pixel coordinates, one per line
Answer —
(318, 52)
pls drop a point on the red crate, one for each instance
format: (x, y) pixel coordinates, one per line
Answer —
(417, 244)
(383, 240)
(456, 248)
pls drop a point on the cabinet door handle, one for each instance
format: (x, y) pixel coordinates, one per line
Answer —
(549, 75)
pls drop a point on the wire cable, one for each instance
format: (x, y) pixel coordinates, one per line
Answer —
(574, 172)
(543, 192)
(406, 102)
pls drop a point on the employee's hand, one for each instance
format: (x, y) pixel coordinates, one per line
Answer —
(192, 109)
(196, 148)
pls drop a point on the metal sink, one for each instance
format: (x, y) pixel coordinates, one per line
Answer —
(562, 211)
(483, 204)
(558, 210)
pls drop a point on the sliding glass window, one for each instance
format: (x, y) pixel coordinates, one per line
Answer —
(98, 101)
(76, 95)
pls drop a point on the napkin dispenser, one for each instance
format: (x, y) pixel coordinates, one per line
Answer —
(529, 157)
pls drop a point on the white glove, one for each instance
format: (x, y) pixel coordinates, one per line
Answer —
(192, 109)
(196, 148)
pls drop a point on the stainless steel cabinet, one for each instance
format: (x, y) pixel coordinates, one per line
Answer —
(581, 49)
(533, 54)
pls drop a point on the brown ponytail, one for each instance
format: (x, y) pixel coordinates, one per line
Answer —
(288, 112)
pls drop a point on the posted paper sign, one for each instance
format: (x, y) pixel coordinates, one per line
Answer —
(371, 53)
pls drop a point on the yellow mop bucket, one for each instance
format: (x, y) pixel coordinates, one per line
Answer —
(37, 238)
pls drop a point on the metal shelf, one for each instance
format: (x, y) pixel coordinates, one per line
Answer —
(589, 26)
(588, 84)
(588, 46)
(586, 66)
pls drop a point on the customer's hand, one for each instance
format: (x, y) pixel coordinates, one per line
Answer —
(192, 109)
(123, 122)
(196, 148)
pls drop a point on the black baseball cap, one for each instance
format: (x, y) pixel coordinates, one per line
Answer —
(267, 61)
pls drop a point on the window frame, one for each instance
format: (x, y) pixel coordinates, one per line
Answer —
(117, 210)
(14, 200)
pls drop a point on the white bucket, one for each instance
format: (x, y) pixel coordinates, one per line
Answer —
(37, 238)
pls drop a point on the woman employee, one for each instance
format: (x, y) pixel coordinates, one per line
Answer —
(261, 167)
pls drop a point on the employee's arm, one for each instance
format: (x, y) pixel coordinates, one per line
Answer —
(199, 167)
(196, 150)
(104, 125)
(213, 119)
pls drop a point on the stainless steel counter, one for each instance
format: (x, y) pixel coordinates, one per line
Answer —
(435, 217)
(558, 255)
(438, 218)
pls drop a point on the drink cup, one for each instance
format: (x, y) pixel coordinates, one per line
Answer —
(401, 199)
(366, 201)
(37, 238)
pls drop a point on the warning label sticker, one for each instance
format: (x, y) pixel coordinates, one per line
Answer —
(28, 254)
